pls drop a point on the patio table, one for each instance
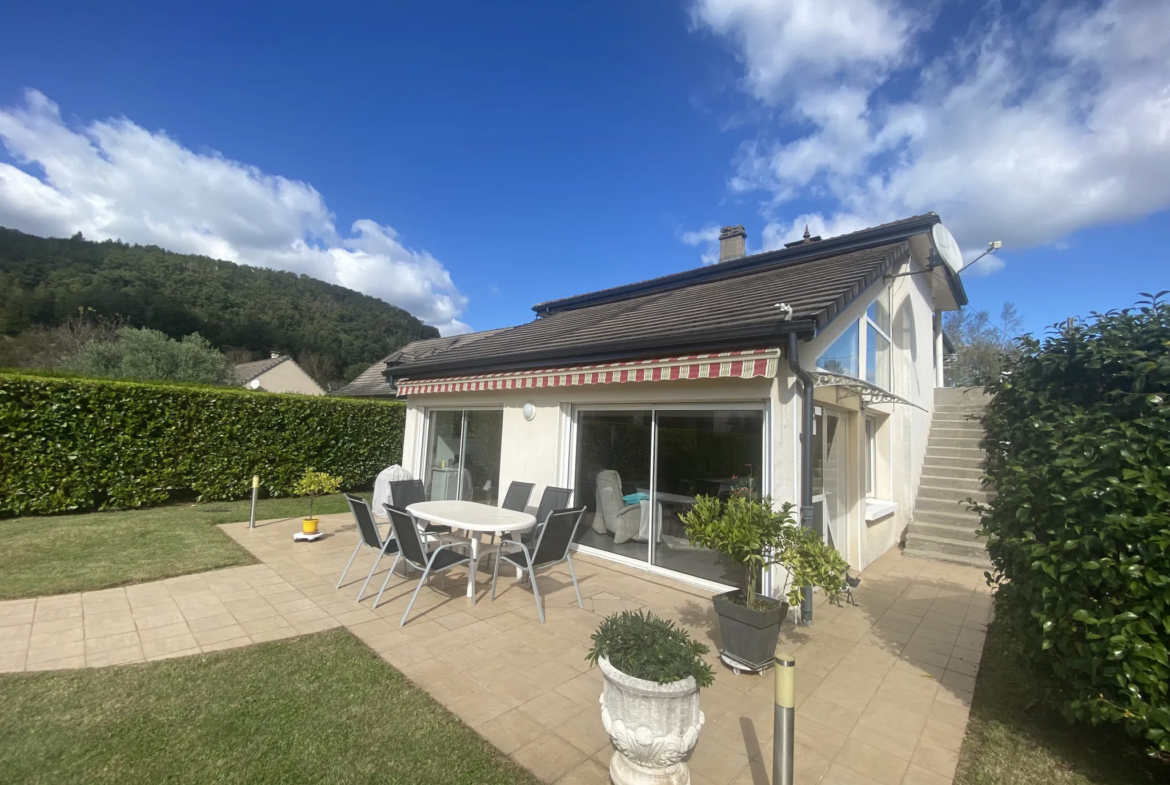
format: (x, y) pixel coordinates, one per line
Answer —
(475, 519)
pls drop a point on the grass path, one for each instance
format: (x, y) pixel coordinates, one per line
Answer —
(1010, 742)
(322, 708)
(57, 554)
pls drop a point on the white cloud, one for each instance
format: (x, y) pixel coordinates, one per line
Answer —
(1026, 130)
(116, 180)
(708, 238)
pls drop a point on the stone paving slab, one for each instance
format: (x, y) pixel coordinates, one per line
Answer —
(883, 689)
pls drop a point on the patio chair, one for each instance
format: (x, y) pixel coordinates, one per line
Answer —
(552, 547)
(553, 498)
(518, 495)
(404, 493)
(613, 514)
(411, 551)
(370, 538)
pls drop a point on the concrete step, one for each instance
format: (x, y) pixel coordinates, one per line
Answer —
(972, 454)
(964, 533)
(945, 431)
(957, 516)
(935, 474)
(951, 462)
(954, 491)
(946, 546)
(966, 443)
(959, 505)
(982, 562)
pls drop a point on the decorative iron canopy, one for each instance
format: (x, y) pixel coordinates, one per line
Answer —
(849, 386)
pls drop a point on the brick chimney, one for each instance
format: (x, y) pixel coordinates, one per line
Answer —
(731, 243)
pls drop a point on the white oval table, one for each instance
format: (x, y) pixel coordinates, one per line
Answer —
(475, 519)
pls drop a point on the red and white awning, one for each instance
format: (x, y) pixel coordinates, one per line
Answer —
(724, 365)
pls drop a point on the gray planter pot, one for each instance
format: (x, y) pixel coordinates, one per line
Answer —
(749, 636)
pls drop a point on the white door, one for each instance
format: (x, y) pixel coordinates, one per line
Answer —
(831, 477)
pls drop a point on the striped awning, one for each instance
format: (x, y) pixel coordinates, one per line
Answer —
(724, 365)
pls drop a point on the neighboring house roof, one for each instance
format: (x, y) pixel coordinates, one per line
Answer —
(246, 372)
(373, 382)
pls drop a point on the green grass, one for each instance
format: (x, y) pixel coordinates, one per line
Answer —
(323, 708)
(57, 554)
(1010, 742)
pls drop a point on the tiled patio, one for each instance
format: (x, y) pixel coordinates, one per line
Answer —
(883, 688)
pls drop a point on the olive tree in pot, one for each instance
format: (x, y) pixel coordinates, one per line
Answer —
(650, 697)
(755, 536)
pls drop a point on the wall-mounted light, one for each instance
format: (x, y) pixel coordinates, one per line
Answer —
(529, 411)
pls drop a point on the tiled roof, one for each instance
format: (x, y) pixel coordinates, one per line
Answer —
(246, 372)
(372, 381)
(729, 312)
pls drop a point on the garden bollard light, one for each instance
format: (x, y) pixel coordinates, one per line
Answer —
(255, 487)
(783, 738)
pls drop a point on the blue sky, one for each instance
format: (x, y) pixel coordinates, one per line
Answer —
(466, 160)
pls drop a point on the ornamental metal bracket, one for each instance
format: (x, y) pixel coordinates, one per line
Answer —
(850, 386)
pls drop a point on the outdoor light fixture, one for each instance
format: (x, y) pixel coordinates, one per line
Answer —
(529, 411)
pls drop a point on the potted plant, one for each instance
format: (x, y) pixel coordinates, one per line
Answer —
(650, 696)
(313, 484)
(753, 535)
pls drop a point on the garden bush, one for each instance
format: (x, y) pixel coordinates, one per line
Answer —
(87, 444)
(1078, 446)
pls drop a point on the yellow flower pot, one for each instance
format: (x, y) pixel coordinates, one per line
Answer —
(309, 525)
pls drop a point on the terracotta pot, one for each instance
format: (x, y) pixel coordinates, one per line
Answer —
(653, 726)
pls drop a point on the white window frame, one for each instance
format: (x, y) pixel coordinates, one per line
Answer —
(424, 433)
(863, 322)
(871, 456)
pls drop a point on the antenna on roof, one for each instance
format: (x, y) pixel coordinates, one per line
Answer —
(992, 247)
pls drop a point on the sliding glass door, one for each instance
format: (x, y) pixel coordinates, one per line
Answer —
(830, 477)
(463, 455)
(639, 471)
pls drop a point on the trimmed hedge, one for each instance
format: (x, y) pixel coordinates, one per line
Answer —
(88, 444)
(1078, 445)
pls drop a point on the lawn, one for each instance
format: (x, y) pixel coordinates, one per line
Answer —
(57, 554)
(1010, 743)
(322, 708)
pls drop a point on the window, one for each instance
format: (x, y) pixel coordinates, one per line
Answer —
(877, 342)
(463, 455)
(842, 356)
(871, 457)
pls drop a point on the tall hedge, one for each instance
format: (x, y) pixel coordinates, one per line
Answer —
(1078, 443)
(84, 444)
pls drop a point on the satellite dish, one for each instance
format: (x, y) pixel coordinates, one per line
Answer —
(947, 248)
(254, 384)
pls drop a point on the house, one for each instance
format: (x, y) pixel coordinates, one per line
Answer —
(374, 383)
(806, 374)
(279, 373)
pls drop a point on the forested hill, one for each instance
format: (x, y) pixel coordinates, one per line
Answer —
(44, 281)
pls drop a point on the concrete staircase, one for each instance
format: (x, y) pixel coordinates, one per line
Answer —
(942, 527)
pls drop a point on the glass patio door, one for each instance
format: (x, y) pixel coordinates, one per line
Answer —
(830, 477)
(463, 455)
(638, 471)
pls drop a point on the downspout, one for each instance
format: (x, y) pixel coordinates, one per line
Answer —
(806, 456)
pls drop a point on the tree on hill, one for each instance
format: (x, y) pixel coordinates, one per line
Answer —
(150, 355)
(43, 282)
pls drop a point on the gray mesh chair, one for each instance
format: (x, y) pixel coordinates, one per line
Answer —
(369, 538)
(553, 498)
(518, 495)
(404, 493)
(411, 551)
(553, 539)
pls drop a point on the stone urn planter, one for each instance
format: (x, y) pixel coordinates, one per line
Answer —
(652, 725)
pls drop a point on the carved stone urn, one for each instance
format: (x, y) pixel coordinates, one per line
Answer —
(652, 725)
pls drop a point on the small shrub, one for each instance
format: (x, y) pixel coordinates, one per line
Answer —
(314, 483)
(750, 533)
(649, 647)
(1078, 446)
